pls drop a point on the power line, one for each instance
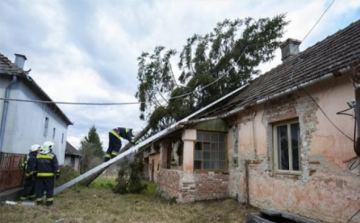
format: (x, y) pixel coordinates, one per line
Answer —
(179, 96)
(70, 103)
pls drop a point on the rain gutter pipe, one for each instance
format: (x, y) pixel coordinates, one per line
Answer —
(277, 95)
(135, 148)
(5, 111)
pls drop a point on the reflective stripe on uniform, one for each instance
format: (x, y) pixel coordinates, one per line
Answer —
(44, 156)
(115, 134)
(114, 153)
(50, 199)
(45, 174)
(107, 155)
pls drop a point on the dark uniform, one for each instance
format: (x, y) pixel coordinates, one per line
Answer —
(115, 136)
(47, 167)
(29, 165)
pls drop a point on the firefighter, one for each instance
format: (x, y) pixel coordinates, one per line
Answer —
(115, 136)
(28, 165)
(47, 168)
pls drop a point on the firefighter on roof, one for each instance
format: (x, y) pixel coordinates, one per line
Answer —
(29, 166)
(47, 168)
(115, 136)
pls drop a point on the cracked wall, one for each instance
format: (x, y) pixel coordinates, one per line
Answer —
(326, 189)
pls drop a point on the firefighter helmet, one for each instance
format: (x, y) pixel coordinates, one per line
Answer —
(34, 148)
(47, 147)
(133, 133)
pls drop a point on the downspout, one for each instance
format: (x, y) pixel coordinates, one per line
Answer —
(5, 111)
(247, 182)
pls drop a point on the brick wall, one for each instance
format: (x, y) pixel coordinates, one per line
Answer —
(168, 183)
(189, 187)
(211, 186)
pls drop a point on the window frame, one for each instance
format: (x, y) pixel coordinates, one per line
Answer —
(290, 155)
(209, 140)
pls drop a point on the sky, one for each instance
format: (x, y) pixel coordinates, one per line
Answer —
(85, 51)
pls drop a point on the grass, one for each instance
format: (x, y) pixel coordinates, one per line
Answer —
(98, 204)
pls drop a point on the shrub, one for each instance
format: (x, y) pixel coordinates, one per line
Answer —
(67, 173)
(129, 180)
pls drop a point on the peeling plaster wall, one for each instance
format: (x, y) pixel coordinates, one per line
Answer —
(326, 189)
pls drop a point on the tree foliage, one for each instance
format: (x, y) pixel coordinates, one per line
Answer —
(94, 139)
(211, 66)
(92, 151)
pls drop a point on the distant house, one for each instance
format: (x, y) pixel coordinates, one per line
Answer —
(25, 120)
(285, 142)
(72, 157)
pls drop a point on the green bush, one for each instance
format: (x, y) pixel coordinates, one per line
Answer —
(129, 180)
(67, 173)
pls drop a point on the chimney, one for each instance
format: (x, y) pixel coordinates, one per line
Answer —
(20, 60)
(289, 48)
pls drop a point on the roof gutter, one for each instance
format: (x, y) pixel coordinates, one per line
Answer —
(5, 111)
(277, 95)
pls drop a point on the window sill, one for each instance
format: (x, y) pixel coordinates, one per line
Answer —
(287, 175)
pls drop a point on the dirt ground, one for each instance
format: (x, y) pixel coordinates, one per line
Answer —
(99, 204)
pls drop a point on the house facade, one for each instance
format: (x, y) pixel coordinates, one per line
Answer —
(72, 157)
(151, 165)
(25, 120)
(287, 142)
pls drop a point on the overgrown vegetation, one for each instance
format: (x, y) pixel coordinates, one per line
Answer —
(98, 203)
(67, 173)
(129, 180)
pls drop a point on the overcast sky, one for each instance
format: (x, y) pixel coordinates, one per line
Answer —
(86, 51)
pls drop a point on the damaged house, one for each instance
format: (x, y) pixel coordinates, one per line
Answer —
(285, 142)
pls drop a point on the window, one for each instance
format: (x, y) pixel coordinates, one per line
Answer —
(210, 151)
(46, 126)
(54, 131)
(286, 147)
(62, 138)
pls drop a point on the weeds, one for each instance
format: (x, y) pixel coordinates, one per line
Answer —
(98, 203)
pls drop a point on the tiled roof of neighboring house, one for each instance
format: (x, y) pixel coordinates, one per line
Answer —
(334, 53)
(70, 150)
(9, 68)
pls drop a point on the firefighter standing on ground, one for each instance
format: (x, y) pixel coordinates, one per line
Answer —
(29, 166)
(47, 168)
(115, 136)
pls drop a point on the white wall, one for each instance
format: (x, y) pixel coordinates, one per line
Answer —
(4, 82)
(26, 121)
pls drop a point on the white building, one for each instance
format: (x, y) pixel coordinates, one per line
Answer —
(25, 119)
